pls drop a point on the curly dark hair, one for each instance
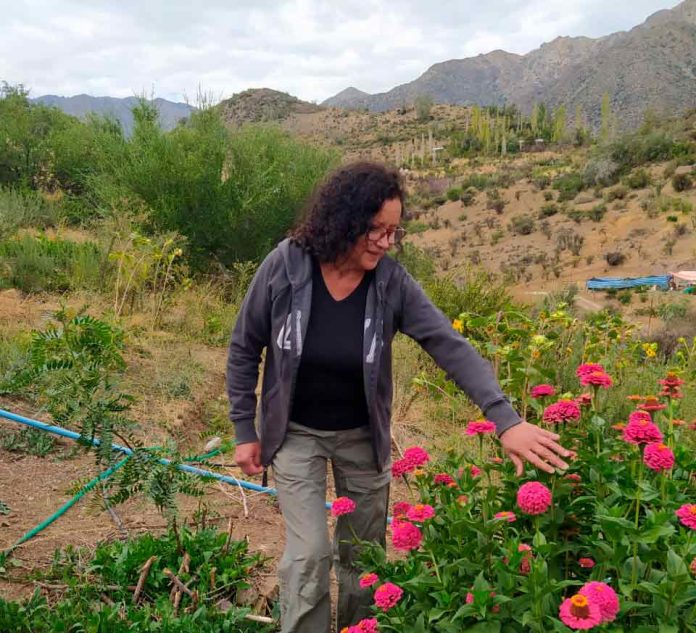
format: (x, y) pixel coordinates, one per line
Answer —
(342, 206)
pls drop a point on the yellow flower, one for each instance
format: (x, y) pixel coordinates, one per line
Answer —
(458, 325)
(650, 349)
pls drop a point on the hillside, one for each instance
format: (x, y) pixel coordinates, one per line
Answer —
(649, 67)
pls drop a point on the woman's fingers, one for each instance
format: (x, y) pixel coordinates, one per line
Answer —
(556, 448)
(537, 461)
(549, 456)
(519, 464)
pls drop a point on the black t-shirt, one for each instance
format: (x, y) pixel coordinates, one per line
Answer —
(329, 392)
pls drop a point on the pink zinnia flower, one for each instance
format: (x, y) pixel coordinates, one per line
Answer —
(641, 430)
(604, 597)
(584, 399)
(462, 500)
(475, 471)
(586, 563)
(420, 512)
(405, 536)
(540, 391)
(368, 625)
(525, 563)
(692, 567)
(687, 515)
(387, 595)
(658, 456)
(444, 479)
(651, 403)
(469, 597)
(573, 477)
(480, 427)
(578, 612)
(505, 515)
(596, 379)
(400, 467)
(533, 498)
(367, 580)
(400, 509)
(416, 456)
(588, 368)
(562, 411)
(342, 505)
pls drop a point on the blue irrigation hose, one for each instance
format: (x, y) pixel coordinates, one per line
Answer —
(58, 430)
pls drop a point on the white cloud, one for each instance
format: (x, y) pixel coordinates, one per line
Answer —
(309, 48)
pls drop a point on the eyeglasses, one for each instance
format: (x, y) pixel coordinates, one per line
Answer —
(394, 236)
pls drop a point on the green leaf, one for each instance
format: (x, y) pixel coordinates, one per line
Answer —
(483, 627)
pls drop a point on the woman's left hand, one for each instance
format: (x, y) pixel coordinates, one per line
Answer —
(539, 447)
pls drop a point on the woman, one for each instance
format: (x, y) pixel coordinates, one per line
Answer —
(325, 305)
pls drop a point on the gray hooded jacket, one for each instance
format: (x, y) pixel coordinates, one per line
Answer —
(274, 315)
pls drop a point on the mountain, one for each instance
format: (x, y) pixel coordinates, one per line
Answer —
(82, 105)
(651, 66)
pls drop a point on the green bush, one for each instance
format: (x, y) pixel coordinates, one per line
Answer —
(638, 179)
(36, 264)
(597, 212)
(522, 224)
(616, 193)
(23, 209)
(547, 210)
(681, 182)
(211, 565)
(233, 195)
(568, 185)
(468, 196)
(454, 194)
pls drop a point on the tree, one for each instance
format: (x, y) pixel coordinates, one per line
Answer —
(559, 124)
(423, 105)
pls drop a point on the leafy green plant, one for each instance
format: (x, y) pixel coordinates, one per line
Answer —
(128, 586)
(28, 441)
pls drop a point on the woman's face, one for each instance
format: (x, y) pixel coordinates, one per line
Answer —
(368, 251)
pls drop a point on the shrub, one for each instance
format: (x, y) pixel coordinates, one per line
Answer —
(547, 210)
(618, 192)
(568, 239)
(522, 224)
(36, 264)
(568, 185)
(454, 193)
(548, 196)
(468, 196)
(681, 182)
(638, 179)
(597, 212)
(615, 258)
(601, 172)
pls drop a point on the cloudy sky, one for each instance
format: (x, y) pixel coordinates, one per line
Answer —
(309, 48)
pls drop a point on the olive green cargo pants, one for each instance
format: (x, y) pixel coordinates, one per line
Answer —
(300, 472)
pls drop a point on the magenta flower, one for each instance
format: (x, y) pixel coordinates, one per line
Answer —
(341, 506)
(578, 612)
(658, 456)
(400, 509)
(505, 515)
(533, 498)
(368, 625)
(541, 391)
(588, 368)
(420, 512)
(586, 563)
(405, 535)
(641, 429)
(367, 580)
(562, 411)
(604, 597)
(400, 467)
(445, 480)
(687, 515)
(480, 427)
(416, 456)
(475, 471)
(387, 595)
(596, 379)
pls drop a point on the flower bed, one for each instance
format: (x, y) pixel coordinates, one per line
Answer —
(608, 545)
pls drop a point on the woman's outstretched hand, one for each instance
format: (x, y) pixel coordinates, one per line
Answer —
(528, 442)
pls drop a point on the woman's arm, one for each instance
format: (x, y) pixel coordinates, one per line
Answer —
(423, 322)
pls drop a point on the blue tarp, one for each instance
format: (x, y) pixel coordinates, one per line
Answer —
(605, 283)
